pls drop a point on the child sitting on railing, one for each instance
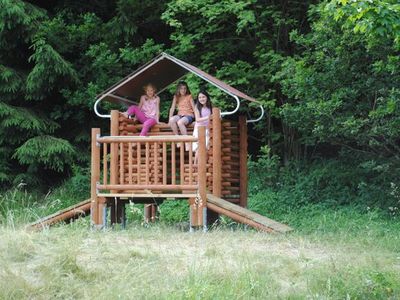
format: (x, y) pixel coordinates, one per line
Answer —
(148, 110)
(202, 111)
(184, 102)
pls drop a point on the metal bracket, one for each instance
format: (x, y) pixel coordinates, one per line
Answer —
(225, 113)
(95, 108)
(259, 118)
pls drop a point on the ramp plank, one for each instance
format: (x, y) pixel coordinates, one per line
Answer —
(72, 212)
(244, 215)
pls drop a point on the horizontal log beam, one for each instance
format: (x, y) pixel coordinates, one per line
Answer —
(160, 187)
(146, 195)
(150, 139)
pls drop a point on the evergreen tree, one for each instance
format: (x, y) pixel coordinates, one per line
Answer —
(30, 72)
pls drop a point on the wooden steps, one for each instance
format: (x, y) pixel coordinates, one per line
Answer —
(67, 214)
(245, 216)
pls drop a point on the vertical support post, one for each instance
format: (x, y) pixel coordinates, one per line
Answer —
(156, 163)
(202, 169)
(105, 164)
(114, 155)
(217, 160)
(130, 160)
(147, 161)
(123, 216)
(173, 165)
(138, 161)
(243, 160)
(147, 213)
(216, 148)
(153, 212)
(113, 207)
(95, 177)
(120, 210)
(193, 214)
(164, 174)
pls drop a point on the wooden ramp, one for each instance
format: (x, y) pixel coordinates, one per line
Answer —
(67, 214)
(245, 216)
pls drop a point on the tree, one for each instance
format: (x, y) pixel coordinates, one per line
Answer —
(54, 60)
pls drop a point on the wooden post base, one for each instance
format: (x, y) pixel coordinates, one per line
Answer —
(150, 213)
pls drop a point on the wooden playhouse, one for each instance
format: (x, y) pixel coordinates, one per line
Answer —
(127, 167)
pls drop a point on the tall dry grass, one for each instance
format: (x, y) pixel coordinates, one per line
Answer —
(74, 262)
(332, 254)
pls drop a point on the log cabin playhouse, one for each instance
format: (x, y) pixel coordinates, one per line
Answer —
(127, 167)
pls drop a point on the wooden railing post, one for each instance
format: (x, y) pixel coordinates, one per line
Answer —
(114, 148)
(114, 131)
(202, 179)
(243, 161)
(216, 160)
(95, 177)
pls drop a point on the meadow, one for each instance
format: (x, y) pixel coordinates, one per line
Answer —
(332, 254)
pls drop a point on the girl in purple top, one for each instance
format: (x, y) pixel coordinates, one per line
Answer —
(202, 112)
(148, 110)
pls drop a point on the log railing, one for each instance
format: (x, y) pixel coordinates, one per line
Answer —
(155, 166)
(155, 163)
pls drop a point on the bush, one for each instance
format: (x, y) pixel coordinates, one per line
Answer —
(331, 183)
(174, 211)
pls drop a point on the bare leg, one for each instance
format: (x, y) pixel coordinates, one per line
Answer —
(182, 125)
(173, 125)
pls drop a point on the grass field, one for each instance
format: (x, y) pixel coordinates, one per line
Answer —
(333, 255)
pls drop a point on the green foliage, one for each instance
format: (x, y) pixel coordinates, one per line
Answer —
(61, 57)
(23, 120)
(342, 90)
(348, 181)
(377, 20)
(50, 68)
(174, 211)
(53, 153)
(77, 187)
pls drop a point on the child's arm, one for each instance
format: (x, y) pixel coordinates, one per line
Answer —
(196, 114)
(141, 102)
(158, 110)
(172, 109)
(202, 118)
(192, 104)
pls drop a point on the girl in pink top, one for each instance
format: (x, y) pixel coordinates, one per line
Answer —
(202, 112)
(148, 110)
(184, 102)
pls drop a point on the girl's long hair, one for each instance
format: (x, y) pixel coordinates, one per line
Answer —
(208, 103)
(180, 84)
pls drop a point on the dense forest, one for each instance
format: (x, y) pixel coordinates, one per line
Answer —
(327, 73)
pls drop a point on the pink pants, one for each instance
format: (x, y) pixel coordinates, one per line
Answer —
(147, 122)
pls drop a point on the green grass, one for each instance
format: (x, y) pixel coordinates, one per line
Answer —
(347, 255)
(160, 262)
(333, 253)
(18, 206)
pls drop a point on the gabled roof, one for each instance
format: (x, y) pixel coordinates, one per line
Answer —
(162, 71)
